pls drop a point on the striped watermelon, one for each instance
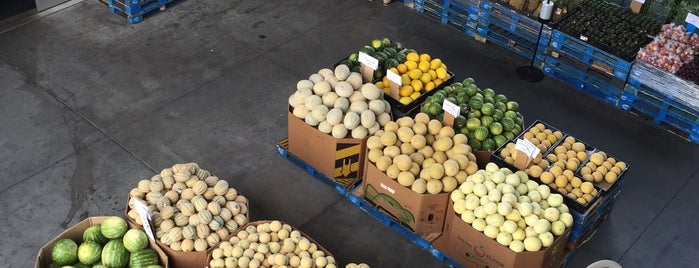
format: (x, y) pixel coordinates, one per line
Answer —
(143, 258)
(114, 254)
(135, 240)
(93, 233)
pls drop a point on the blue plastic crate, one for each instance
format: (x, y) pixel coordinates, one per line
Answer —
(585, 223)
(283, 150)
(590, 55)
(522, 46)
(512, 21)
(133, 7)
(583, 80)
(663, 111)
(133, 16)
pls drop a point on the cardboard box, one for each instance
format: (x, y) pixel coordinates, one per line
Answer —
(256, 223)
(472, 248)
(422, 213)
(636, 6)
(43, 259)
(339, 159)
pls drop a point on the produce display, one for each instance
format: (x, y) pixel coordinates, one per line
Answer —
(109, 244)
(602, 168)
(543, 138)
(511, 209)
(612, 26)
(566, 182)
(357, 265)
(270, 244)
(671, 49)
(422, 154)
(191, 210)
(389, 54)
(570, 154)
(488, 119)
(420, 73)
(339, 104)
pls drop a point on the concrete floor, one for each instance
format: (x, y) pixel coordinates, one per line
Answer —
(90, 104)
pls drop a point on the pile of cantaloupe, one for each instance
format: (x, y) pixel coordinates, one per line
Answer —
(337, 103)
(565, 182)
(543, 138)
(602, 168)
(422, 154)
(508, 207)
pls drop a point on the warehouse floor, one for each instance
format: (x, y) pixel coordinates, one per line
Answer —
(90, 104)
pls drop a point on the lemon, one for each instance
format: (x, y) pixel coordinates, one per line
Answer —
(417, 85)
(429, 86)
(386, 91)
(405, 100)
(415, 95)
(433, 74)
(425, 57)
(379, 84)
(412, 56)
(438, 82)
(426, 78)
(405, 79)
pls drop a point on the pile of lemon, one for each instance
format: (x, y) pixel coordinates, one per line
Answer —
(419, 74)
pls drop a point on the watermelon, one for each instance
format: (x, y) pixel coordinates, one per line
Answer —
(469, 80)
(488, 144)
(460, 121)
(512, 106)
(80, 265)
(509, 135)
(511, 114)
(471, 90)
(353, 58)
(486, 121)
(475, 103)
(390, 63)
(89, 252)
(517, 129)
(473, 123)
(475, 144)
(94, 233)
(507, 123)
(400, 57)
(500, 106)
(368, 50)
(114, 227)
(390, 51)
(487, 109)
(481, 133)
(499, 140)
(464, 130)
(64, 252)
(377, 44)
(385, 42)
(488, 99)
(495, 128)
(114, 254)
(99, 266)
(498, 115)
(474, 114)
(500, 98)
(143, 258)
(135, 240)
(488, 92)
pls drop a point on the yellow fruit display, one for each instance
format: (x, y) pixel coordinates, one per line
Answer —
(604, 169)
(420, 73)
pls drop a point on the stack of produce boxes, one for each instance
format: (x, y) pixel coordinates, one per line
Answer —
(461, 15)
(592, 48)
(662, 83)
(588, 178)
(515, 30)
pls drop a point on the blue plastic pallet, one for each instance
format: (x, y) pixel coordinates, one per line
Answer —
(590, 55)
(449, 13)
(664, 112)
(283, 150)
(511, 42)
(133, 7)
(582, 81)
(145, 10)
(510, 20)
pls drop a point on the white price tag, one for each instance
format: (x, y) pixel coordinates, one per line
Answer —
(527, 148)
(394, 77)
(369, 61)
(640, 1)
(582, 37)
(451, 108)
(143, 212)
(693, 19)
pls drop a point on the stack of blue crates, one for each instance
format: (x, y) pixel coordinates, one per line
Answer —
(516, 31)
(461, 15)
(134, 10)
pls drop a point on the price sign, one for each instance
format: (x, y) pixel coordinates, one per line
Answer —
(451, 111)
(582, 37)
(640, 1)
(369, 61)
(394, 77)
(527, 152)
(144, 214)
(692, 19)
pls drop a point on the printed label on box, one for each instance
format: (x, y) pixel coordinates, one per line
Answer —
(693, 19)
(369, 61)
(144, 214)
(347, 160)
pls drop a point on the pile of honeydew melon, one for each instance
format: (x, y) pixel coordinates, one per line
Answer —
(191, 209)
(422, 154)
(508, 207)
(338, 103)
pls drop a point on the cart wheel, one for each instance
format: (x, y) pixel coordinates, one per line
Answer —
(604, 264)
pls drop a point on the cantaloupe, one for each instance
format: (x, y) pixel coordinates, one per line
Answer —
(344, 89)
(307, 84)
(300, 111)
(325, 73)
(370, 91)
(376, 106)
(359, 132)
(358, 106)
(342, 103)
(315, 78)
(339, 131)
(325, 127)
(319, 113)
(351, 120)
(334, 116)
(355, 79)
(312, 101)
(368, 118)
(321, 88)
(329, 99)
(342, 72)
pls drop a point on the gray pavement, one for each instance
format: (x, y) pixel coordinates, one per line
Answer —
(90, 104)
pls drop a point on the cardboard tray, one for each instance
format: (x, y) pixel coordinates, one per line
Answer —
(496, 158)
(43, 258)
(256, 223)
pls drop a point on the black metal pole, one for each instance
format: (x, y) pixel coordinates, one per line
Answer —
(530, 73)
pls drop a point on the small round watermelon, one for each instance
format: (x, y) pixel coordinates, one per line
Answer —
(143, 258)
(64, 252)
(114, 254)
(89, 252)
(94, 233)
(135, 240)
(114, 227)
